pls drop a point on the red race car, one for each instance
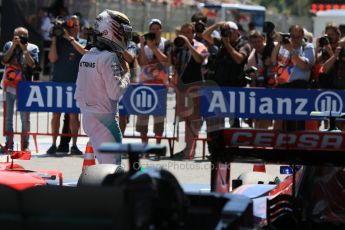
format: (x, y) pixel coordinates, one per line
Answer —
(17, 177)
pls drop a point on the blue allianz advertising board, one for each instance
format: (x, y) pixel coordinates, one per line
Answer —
(144, 100)
(59, 97)
(268, 103)
(46, 97)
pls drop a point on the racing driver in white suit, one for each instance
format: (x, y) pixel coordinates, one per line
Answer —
(102, 79)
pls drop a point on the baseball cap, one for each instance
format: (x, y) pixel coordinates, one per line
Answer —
(232, 25)
(155, 21)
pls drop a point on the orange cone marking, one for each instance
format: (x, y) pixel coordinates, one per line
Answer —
(89, 157)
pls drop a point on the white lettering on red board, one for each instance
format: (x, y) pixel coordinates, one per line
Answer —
(327, 141)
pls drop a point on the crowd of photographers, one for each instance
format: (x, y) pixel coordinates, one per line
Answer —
(221, 54)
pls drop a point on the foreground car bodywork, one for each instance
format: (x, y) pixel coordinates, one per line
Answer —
(16, 176)
(312, 195)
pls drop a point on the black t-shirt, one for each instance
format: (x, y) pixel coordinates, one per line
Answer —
(337, 75)
(192, 73)
(227, 71)
(187, 68)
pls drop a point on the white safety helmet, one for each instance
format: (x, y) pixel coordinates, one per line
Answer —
(113, 29)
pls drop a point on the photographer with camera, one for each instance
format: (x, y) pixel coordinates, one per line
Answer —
(325, 48)
(153, 60)
(187, 58)
(226, 67)
(199, 21)
(293, 58)
(263, 76)
(20, 58)
(334, 67)
(65, 53)
(334, 72)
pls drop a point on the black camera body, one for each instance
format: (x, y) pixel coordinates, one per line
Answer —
(323, 41)
(268, 28)
(58, 28)
(225, 32)
(247, 75)
(60, 24)
(150, 36)
(23, 39)
(199, 26)
(179, 43)
(285, 38)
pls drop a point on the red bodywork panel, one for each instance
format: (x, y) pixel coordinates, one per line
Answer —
(20, 180)
(17, 177)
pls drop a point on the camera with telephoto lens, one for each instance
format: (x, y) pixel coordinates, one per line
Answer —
(150, 36)
(199, 26)
(23, 39)
(58, 28)
(179, 42)
(225, 32)
(323, 41)
(285, 38)
(60, 24)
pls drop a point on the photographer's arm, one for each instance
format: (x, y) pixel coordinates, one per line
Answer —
(329, 63)
(142, 60)
(77, 46)
(52, 55)
(238, 56)
(207, 34)
(8, 54)
(162, 58)
(129, 57)
(274, 54)
(304, 60)
(28, 58)
(195, 54)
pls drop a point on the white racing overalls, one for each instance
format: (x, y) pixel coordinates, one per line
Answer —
(101, 81)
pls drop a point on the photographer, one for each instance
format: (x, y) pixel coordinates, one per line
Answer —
(199, 21)
(65, 53)
(334, 72)
(325, 48)
(294, 59)
(153, 60)
(263, 76)
(335, 69)
(187, 58)
(226, 68)
(20, 58)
